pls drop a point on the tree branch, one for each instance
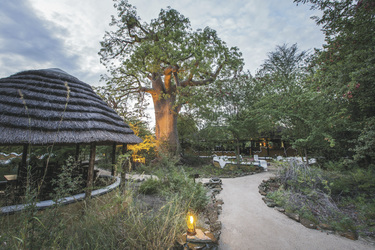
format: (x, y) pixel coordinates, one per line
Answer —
(190, 82)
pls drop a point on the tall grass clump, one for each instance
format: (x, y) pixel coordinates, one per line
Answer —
(117, 220)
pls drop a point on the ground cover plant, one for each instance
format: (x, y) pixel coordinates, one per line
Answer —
(330, 199)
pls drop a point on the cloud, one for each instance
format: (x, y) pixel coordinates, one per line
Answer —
(28, 42)
(66, 33)
(254, 26)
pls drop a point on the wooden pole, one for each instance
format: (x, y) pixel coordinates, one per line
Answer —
(124, 165)
(90, 173)
(22, 169)
(77, 152)
(113, 159)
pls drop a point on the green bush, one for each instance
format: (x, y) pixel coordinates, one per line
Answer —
(304, 178)
(353, 183)
(150, 186)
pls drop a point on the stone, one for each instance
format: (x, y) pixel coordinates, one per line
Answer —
(325, 226)
(350, 235)
(215, 180)
(220, 202)
(206, 221)
(199, 237)
(215, 226)
(212, 214)
(211, 236)
(196, 246)
(181, 239)
(307, 223)
(280, 209)
(262, 192)
(293, 216)
(270, 204)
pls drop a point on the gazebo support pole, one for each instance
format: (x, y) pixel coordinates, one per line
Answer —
(22, 169)
(124, 165)
(90, 173)
(77, 152)
(113, 159)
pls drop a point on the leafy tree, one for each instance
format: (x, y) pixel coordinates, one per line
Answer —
(346, 66)
(231, 117)
(307, 116)
(187, 131)
(283, 68)
(165, 59)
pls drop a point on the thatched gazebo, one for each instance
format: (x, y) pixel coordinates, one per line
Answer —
(51, 107)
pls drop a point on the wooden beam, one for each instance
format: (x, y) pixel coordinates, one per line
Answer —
(113, 172)
(90, 173)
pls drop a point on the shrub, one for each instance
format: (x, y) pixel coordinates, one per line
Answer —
(150, 186)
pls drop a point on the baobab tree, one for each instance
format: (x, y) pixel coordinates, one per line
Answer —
(166, 59)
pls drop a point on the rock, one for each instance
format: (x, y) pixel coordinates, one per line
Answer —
(211, 236)
(212, 214)
(206, 221)
(280, 209)
(269, 202)
(201, 237)
(350, 235)
(196, 246)
(215, 226)
(215, 180)
(307, 223)
(181, 239)
(220, 202)
(293, 216)
(325, 226)
(262, 192)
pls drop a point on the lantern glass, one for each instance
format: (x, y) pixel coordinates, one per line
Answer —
(191, 221)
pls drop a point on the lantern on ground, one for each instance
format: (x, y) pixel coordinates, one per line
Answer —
(191, 221)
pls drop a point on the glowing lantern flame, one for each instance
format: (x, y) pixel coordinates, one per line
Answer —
(191, 223)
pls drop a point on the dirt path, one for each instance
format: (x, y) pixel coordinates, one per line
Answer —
(249, 224)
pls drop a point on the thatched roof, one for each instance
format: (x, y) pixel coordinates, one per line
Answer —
(50, 106)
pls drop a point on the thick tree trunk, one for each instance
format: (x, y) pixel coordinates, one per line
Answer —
(166, 123)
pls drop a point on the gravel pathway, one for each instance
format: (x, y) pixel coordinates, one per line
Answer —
(249, 224)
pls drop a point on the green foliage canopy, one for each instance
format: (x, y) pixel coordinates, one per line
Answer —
(163, 56)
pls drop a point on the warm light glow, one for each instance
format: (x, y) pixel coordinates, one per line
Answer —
(191, 223)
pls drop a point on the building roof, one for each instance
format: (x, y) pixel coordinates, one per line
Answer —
(50, 106)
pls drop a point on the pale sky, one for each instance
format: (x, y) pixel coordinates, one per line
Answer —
(65, 34)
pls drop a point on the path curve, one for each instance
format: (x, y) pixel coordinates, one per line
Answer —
(249, 224)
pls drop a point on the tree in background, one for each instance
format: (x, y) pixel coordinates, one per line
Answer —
(134, 117)
(307, 116)
(165, 59)
(187, 131)
(345, 69)
(230, 117)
